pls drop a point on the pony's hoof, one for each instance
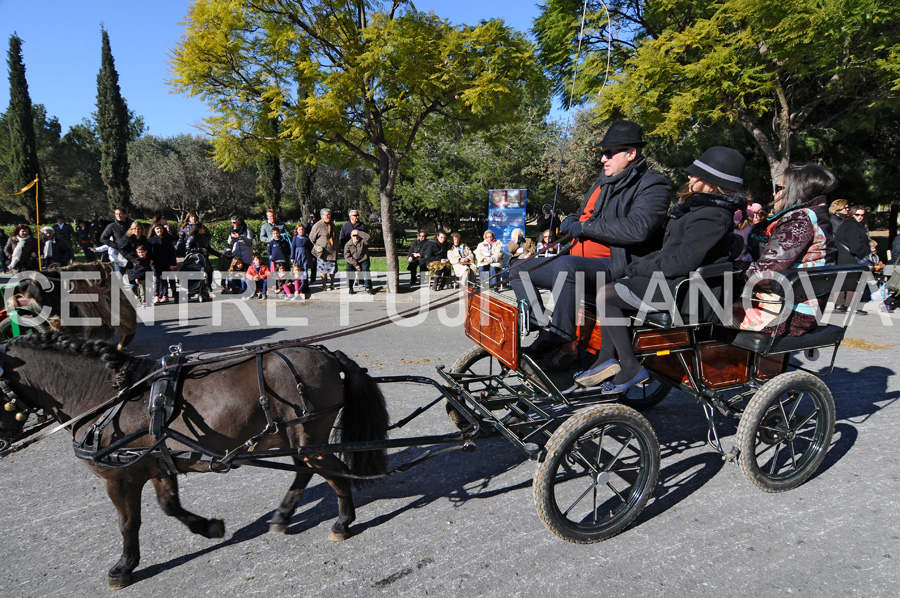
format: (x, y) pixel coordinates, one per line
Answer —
(277, 528)
(117, 582)
(339, 536)
(216, 529)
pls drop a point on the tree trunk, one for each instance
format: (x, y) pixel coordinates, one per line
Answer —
(306, 175)
(387, 173)
(778, 160)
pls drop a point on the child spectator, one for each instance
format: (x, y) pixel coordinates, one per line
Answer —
(282, 278)
(258, 274)
(301, 252)
(297, 284)
(279, 248)
(235, 282)
(137, 271)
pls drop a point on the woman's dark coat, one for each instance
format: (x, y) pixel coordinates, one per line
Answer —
(852, 241)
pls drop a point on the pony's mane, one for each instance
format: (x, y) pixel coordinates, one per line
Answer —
(115, 360)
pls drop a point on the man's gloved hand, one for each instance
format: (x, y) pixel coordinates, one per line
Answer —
(570, 226)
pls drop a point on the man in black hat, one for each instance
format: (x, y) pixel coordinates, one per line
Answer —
(620, 219)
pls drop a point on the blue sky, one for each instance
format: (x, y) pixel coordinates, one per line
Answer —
(61, 50)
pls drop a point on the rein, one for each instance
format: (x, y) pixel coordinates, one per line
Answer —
(239, 351)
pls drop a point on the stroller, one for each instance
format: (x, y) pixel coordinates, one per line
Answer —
(890, 291)
(196, 261)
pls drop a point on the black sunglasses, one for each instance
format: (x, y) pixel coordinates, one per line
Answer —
(779, 188)
(609, 153)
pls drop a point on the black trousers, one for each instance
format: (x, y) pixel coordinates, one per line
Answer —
(561, 276)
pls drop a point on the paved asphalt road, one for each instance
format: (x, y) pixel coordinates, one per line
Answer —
(464, 524)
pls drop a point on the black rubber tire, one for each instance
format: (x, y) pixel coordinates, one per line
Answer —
(580, 457)
(6, 328)
(785, 431)
(645, 396)
(476, 361)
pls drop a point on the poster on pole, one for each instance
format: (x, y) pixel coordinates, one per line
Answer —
(506, 211)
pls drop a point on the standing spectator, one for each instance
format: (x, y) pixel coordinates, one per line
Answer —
(22, 250)
(462, 260)
(162, 260)
(489, 258)
(271, 223)
(135, 236)
(258, 276)
(356, 252)
(838, 211)
(348, 227)
(278, 248)
(57, 252)
(4, 260)
(63, 230)
(114, 236)
(547, 220)
(852, 241)
(313, 265)
(324, 237)
(418, 250)
(85, 238)
(137, 270)
(241, 240)
(184, 232)
(300, 252)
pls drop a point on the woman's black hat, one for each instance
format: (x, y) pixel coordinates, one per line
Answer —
(720, 166)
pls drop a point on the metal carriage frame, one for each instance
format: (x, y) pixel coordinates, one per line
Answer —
(598, 457)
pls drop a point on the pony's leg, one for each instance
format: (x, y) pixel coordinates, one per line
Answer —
(282, 517)
(125, 492)
(343, 487)
(167, 495)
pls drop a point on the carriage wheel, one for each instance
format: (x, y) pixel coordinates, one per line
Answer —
(6, 329)
(785, 431)
(599, 470)
(475, 361)
(647, 395)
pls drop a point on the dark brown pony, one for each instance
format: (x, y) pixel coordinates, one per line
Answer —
(65, 377)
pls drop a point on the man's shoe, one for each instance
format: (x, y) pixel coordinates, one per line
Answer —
(840, 308)
(861, 312)
(539, 347)
(561, 359)
(352, 292)
(598, 374)
(370, 291)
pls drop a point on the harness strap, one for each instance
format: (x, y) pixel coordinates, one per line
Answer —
(301, 387)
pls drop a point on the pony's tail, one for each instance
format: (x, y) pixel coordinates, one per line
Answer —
(364, 418)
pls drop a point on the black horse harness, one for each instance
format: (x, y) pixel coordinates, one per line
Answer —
(165, 404)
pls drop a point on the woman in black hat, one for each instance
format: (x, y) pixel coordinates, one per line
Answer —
(700, 231)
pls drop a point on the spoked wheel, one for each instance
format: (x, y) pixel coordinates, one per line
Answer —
(476, 361)
(785, 431)
(647, 395)
(599, 470)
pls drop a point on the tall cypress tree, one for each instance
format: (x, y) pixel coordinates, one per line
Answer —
(23, 160)
(113, 127)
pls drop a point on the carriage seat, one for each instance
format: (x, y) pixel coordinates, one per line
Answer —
(710, 272)
(764, 344)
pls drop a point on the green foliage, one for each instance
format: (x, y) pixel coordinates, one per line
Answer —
(359, 77)
(793, 74)
(113, 126)
(178, 175)
(22, 163)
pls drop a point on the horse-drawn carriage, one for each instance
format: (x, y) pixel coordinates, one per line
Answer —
(597, 456)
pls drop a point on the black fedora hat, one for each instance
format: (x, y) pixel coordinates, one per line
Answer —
(721, 166)
(623, 132)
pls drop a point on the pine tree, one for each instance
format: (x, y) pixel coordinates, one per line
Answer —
(23, 160)
(113, 126)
